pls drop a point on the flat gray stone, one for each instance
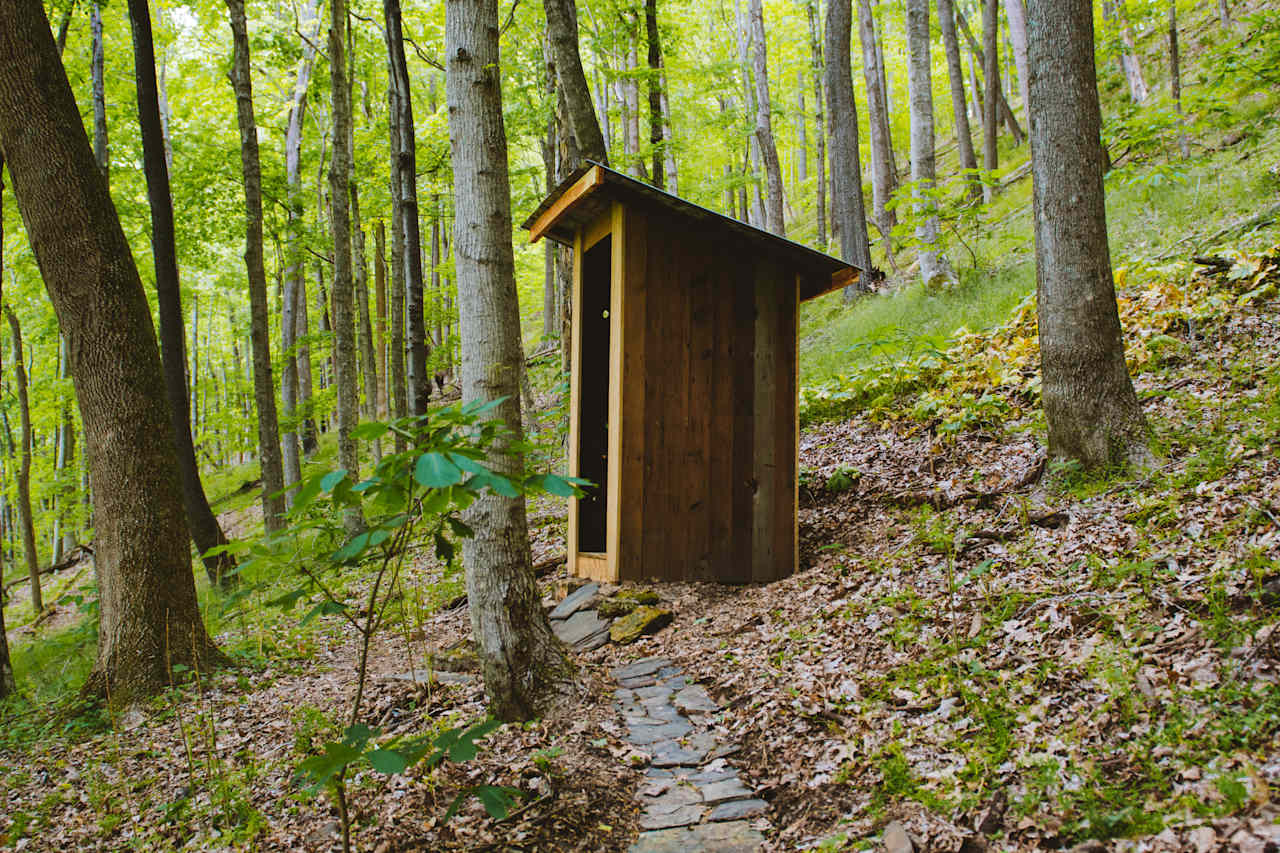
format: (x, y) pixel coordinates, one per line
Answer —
(707, 777)
(653, 692)
(668, 671)
(682, 816)
(723, 750)
(728, 837)
(644, 666)
(435, 676)
(669, 800)
(579, 626)
(675, 682)
(575, 601)
(595, 641)
(641, 735)
(701, 741)
(638, 681)
(622, 694)
(714, 793)
(738, 809)
(694, 699)
(657, 773)
(672, 754)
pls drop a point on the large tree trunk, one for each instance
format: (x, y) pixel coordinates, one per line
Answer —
(1090, 406)
(764, 121)
(25, 520)
(521, 659)
(8, 684)
(933, 268)
(205, 530)
(955, 74)
(406, 172)
(399, 398)
(884, 178)
(655, 93)
(848, 215)
(148, 614)
(817, 73)
(562, 31)
(264, 392)
(295, 288)
(1017, 17)
(345, 377)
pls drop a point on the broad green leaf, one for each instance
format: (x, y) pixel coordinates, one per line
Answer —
(333, 478)
(387, 761)
(435, 471)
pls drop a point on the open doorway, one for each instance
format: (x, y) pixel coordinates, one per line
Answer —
(593, 401)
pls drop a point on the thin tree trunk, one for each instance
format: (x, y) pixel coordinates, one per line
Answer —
(990, 102)
(959, 110)
(764, 122)
(406, 171)
(399, 397)
(655, 93)
(149, 618)
(64, 26)
(522, 662)
(364, 327)
(933, 269)
(884, 178)
(668, 138)
(631, 87)
(263, 385)
(1224, 14)
(8, 684)
(1016, 14)
(205, 530)
(1175, 79)
(1005, 111)
(562, 31)
(1090, 407)
(66, 458)
(817, 72)
(101, 150)
(1129, 56)
(848, 216)
(26, 522)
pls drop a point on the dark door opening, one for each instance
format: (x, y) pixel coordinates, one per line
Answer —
(593, 403)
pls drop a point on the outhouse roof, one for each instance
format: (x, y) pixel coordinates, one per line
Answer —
(589, 191)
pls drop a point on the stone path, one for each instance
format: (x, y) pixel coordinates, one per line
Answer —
(691, 799)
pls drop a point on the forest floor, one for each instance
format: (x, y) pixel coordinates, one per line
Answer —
(987, 653)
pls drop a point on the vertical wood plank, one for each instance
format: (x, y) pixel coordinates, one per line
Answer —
(699, 488)
(720, 472)
(785, 459)
(617, 308)
(575, 409)
(743, 483)
(765, 375)
(657, 381)
(632, 485)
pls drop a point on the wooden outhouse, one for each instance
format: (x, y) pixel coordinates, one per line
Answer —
(683, 384)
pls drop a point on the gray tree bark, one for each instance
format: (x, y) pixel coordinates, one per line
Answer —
(848, 214)
(1016, 14)
(148, 613)
(764, 121)
(817, 73)
(346, 378)
(101, 150)
(654, 88)
(399, 397)
(933, 268)
(26, 522)
(521, 659)
(364, 323)
(990, 102)
(884, 178)
(955, 74)
(562, 30)
(8, 684)
(264, 390)
(1090, 406)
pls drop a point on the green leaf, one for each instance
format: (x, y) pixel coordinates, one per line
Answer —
(464, 747)
(320, 769)
(497, 801)
(387, 761)
(468, 464)
(333, 478)
(370, 431)
(435, 471)
(288, 600)
(461, 530)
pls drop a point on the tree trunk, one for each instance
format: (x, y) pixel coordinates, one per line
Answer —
(263, 384)
(1224, 14)
(655, 93)
(521, 659)
(562, 31)
(205, 530)
(1175, 79)
(668, 138)
(295, 289)
(64, 527)
(8, 684)
(848, 215)
(990, 103)
(399, 397)
(1005, 111)
(345, 378)
(406, 172)
(380, 326)
(933, 268)
(364, 327)
(1129, 55)
(148, 614)
(817, 73)
(631, 86)
(1017, 16)
(1090, 406)
(884, 178)
(764, 122)
(26, 522)
(101, 150)
(955, 73)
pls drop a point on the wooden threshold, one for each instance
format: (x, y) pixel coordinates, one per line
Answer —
(585, 185)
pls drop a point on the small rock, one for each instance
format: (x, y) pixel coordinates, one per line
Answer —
(132, 718)
(738, 809)
(671, 754)
(694, 699)
(575, 601)
(642, 735)
(638, 681)
(652, 693)
(707, 777)
(723, 750)
(723, 791)
(593, 642)
(683, 816)
(578, 627)
(615, 607)
(1203, 839)
(644, 666)
(896, 840)
(729, 837)
(668, 801)
(643, 620)
(460, 657)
